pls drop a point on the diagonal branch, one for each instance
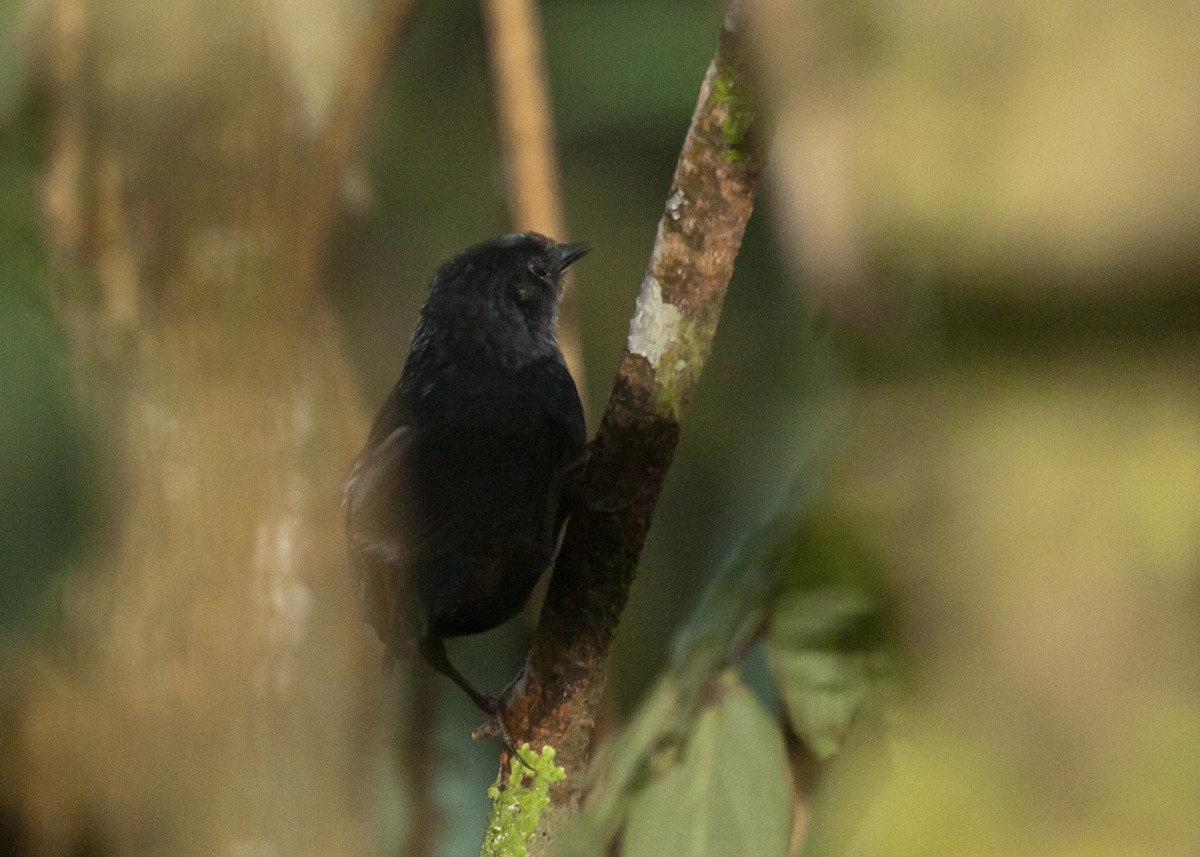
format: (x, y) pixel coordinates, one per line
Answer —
(670, 337)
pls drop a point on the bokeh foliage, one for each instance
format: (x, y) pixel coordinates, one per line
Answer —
(45, 467)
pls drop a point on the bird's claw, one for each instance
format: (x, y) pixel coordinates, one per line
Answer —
(495, 727)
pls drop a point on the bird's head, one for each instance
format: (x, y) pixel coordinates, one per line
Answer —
(498, 300)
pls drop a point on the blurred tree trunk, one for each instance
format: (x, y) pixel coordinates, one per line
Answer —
(216, 693)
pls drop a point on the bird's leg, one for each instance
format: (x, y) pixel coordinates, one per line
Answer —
(434, 652)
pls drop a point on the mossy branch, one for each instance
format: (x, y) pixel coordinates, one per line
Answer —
(670, 337)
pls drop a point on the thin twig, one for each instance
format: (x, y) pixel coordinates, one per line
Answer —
(670, 336)
(523, 110)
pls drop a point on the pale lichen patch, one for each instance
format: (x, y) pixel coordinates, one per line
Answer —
(654, 329)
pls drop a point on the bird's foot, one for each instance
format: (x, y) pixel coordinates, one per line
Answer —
(496, 727)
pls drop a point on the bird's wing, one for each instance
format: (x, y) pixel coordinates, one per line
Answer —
(371, 486)
(560, 403)
(376, 532)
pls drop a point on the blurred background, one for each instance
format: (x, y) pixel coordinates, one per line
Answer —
(966, 312)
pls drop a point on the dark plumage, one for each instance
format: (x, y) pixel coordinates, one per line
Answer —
(454, 507)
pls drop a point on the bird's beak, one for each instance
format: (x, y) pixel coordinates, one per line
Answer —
(568, 254)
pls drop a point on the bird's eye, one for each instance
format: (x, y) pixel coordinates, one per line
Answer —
(538, 272)
(525, 293)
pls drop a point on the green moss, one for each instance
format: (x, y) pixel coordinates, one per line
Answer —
(517, 808)
(731, 92)
(679, 368)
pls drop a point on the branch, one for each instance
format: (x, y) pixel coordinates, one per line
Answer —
(669, 340)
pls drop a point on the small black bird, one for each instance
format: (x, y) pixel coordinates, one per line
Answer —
(454, 507)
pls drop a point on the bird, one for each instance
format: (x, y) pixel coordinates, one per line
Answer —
(456, 504)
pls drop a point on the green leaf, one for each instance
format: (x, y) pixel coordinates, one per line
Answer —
(728, 793)
(824, 651)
